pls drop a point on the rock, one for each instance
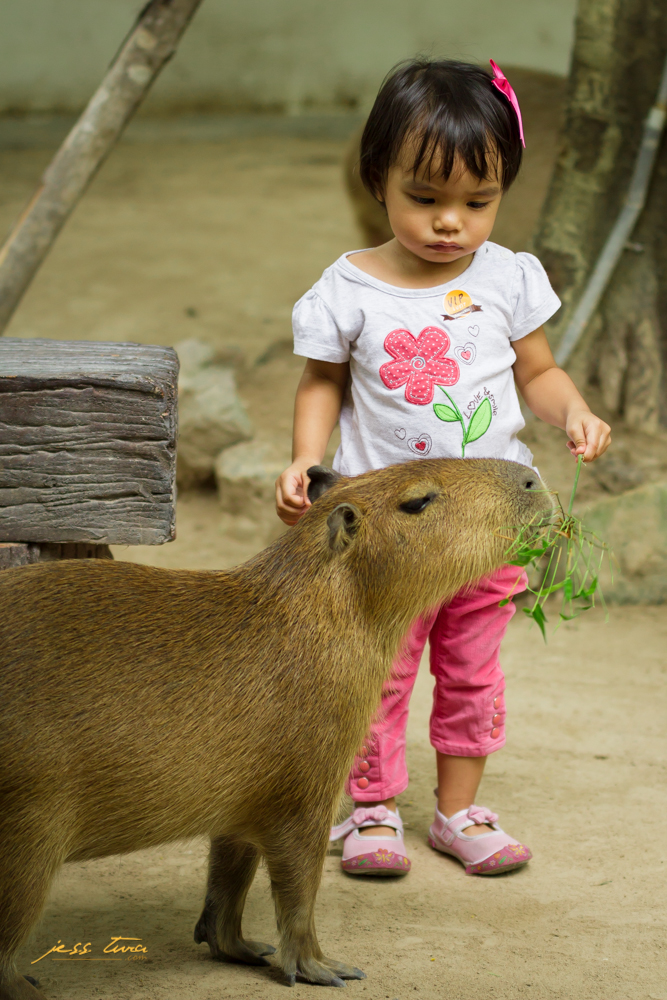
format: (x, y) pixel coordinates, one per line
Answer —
(634, 525)
(246, 476)
(211, 415)
(193, 355)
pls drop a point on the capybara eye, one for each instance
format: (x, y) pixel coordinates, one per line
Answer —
(417, 505)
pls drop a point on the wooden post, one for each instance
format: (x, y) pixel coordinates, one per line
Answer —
(150, 44)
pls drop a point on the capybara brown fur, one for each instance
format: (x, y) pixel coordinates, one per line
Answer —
(140, 706)
(369, 213)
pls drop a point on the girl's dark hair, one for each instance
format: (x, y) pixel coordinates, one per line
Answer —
(448, 110)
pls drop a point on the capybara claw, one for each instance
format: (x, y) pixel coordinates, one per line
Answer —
(260, 947)
(247, 952)
(324, 972)
(354, 973)
(290, 978)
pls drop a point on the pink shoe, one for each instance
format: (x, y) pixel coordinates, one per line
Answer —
(372, 855)
(487, 854)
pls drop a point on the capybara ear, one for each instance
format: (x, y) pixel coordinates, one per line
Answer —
(343, 522)
(321, 480)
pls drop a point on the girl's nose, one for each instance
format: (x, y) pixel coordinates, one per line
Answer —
(447, 222)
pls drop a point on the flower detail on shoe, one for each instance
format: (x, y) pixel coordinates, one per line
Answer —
(377, 860)
(486, 854)
(510, 857)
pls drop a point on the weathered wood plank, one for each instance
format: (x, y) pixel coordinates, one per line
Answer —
(87, 442)
(17, 554)
(23, 554)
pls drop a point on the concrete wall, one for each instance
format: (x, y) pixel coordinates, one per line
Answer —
(292, 55)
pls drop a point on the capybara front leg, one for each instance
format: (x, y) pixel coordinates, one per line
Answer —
(295, 873)
(232, 867)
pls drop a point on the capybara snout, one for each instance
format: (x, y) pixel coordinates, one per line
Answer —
(140, 705)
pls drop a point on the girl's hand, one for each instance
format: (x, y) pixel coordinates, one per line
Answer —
(589, 436)
(292, 491)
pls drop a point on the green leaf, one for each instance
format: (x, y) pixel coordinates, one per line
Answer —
(524, 557)
(539, 617)
(505, 600)
(588, 592)
(479, 422)
(445, 412)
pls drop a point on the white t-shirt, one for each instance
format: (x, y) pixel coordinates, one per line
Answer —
(431, 368)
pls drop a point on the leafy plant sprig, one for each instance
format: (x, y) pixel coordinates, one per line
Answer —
(571, 557)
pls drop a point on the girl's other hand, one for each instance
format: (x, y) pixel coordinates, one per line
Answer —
(589, 436)
(292, 492)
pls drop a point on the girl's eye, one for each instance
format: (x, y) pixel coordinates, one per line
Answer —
(477, 204)
(423, 201)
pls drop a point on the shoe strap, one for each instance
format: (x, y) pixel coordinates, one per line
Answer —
(367, 816)
(465, 818)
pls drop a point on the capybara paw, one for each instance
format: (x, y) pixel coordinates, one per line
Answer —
(342, 970)
(21, 988)
(260, 947)
(313, 971)
(248, 952)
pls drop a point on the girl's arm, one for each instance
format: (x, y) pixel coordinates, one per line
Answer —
(553, 397)
(316, 410)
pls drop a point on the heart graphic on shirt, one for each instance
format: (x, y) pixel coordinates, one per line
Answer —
(420, 445)
(466, 354)
(400, 433)
(473, 330)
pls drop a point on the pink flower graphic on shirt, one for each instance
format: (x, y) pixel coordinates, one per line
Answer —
(418, 363)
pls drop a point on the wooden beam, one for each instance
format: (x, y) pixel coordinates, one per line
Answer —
(150, 44)
(87, 442)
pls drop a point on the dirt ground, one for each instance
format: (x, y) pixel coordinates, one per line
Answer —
(210, 229)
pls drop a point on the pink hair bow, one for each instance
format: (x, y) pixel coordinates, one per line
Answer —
(501, 83)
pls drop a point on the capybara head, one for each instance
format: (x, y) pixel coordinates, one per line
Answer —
(428, 526)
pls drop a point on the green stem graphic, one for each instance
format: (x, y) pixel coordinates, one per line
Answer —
(461, 421)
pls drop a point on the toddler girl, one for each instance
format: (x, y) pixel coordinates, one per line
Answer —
(418, 346)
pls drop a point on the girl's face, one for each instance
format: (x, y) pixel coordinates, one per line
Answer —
(440, 220)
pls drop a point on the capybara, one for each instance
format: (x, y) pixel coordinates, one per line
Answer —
(140, 706)
(369, 213)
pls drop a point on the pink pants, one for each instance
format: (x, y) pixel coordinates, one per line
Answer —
(468, 716)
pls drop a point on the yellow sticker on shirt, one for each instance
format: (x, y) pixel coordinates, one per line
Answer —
(458, 303)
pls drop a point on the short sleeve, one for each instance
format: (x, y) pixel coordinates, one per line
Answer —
(316, 333)
(533, 299)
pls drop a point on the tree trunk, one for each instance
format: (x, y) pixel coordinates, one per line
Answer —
(619, 51)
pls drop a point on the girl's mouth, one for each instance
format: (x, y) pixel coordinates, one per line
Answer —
(444, 247)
